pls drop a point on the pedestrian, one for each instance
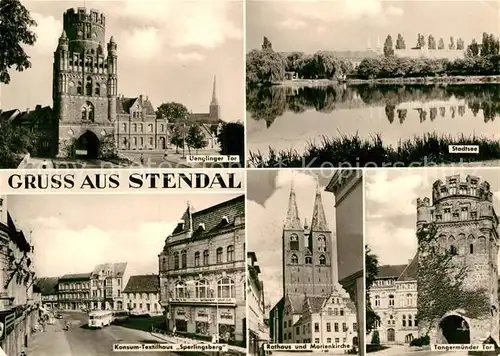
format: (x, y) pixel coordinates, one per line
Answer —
(44, 164)
(142, 158)
(174, 330)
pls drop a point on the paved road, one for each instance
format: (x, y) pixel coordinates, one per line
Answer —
(80, 341)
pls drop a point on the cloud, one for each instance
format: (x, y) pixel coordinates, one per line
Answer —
(292, 24)
(394, 11)
(190, 57)
(48, 31)
(142, 44)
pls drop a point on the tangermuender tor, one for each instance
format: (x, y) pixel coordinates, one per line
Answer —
(169, 347)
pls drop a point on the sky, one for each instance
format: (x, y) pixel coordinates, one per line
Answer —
(312, 25)
(167, 50)
(267, 203)
(391, 207)
(73, 233)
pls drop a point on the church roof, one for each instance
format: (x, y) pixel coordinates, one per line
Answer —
(292, 221)
(211, 219)
(123, 105)
(318, 222)
(203, 118)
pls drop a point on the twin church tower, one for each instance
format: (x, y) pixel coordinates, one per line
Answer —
(309, 256)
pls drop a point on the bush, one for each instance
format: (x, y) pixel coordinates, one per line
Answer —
(421, 341)
(375, 338)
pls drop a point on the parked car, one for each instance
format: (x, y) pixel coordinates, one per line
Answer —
(58, 316)
(120, 317)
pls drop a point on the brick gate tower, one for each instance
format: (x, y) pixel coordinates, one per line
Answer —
(466, 223)
(84, 82)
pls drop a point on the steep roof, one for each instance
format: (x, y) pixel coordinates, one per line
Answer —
(47, 285)
(123, 105)
(146, 283)
(117, 269)
(410, 272)
(316, 303)
(390, 271)
(75, 276)
(318, 222)
(40, 116)
(211, 219)
(292, 220)
(8, 115)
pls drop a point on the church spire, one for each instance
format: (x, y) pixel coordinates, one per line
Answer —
(318, 222)
(292, 221)
(214, 93)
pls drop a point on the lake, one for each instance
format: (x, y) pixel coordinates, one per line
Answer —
(288, 118)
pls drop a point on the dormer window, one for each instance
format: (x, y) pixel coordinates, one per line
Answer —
(182, 223)
(201, 226)
(225, 220)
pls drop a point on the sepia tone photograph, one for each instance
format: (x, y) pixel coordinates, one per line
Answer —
(79, 282)
(305, 260)
(368, 83)
(108, 84)
(432, 260)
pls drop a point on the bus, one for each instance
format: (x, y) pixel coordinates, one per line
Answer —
(100, 318)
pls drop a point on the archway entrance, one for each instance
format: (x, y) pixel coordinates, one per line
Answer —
(455, 330)
(87, 145)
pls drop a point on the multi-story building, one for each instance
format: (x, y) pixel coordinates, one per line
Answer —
(347, 186)
(18, 309)
(393, 298)
(74, 291)
(142, 294)
(106, 285)
(313, 301)
(467, 229)
(202, 272)
(258, 331)
(48, 290)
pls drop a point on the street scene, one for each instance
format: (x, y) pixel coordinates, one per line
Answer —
(439, 287)
(93, 87)
(100, 285)
(313, 294)
(385, 90)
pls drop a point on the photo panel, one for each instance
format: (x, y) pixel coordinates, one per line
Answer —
(140, 273)
(366, 84)
(113, 84)
(432, 260)
(305, 261)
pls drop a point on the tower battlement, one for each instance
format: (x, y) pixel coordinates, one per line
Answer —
(471, 187)
(83, 14)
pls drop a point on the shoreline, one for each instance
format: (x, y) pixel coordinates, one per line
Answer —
(469, 79)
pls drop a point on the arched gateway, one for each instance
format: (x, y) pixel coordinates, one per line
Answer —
(455, 330)
(87, 145)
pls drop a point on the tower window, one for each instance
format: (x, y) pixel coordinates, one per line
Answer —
(453, 250)
(294, 259)
(473, 215)
(453, 187)
(87, 111)
(308, 260)
(97, 89)
(447, 214)
(88, 87)
(471, 249)
(79, 88)
(294, 242)
(322, 260)
(322, 243)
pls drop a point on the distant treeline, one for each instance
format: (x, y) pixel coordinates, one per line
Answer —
(265, 66)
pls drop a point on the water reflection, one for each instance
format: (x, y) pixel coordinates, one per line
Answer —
(284, 118)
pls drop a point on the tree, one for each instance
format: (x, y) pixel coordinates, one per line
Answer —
(195, 138)
(485, 45)
(173, 112)
(371, 271)
(231, 138)
(177, 138)
(452, 43)
(473, 49)
(441, 43)
(375, 338)
(440, 281)
(420, 41)
(388, 48)
(107, 147)
(16, 141)
(400, 42)
(431, 42)
(460, 44)
(16, 33)
(266, 44)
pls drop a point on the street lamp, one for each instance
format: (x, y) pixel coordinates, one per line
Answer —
(166, 136)
(183, 140)
(214, 293)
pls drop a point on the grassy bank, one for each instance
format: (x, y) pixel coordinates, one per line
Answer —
(354, 151)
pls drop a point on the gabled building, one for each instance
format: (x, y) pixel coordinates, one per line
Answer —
(142, 294)
(202, 273)
(106, 285)
(393, 297)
